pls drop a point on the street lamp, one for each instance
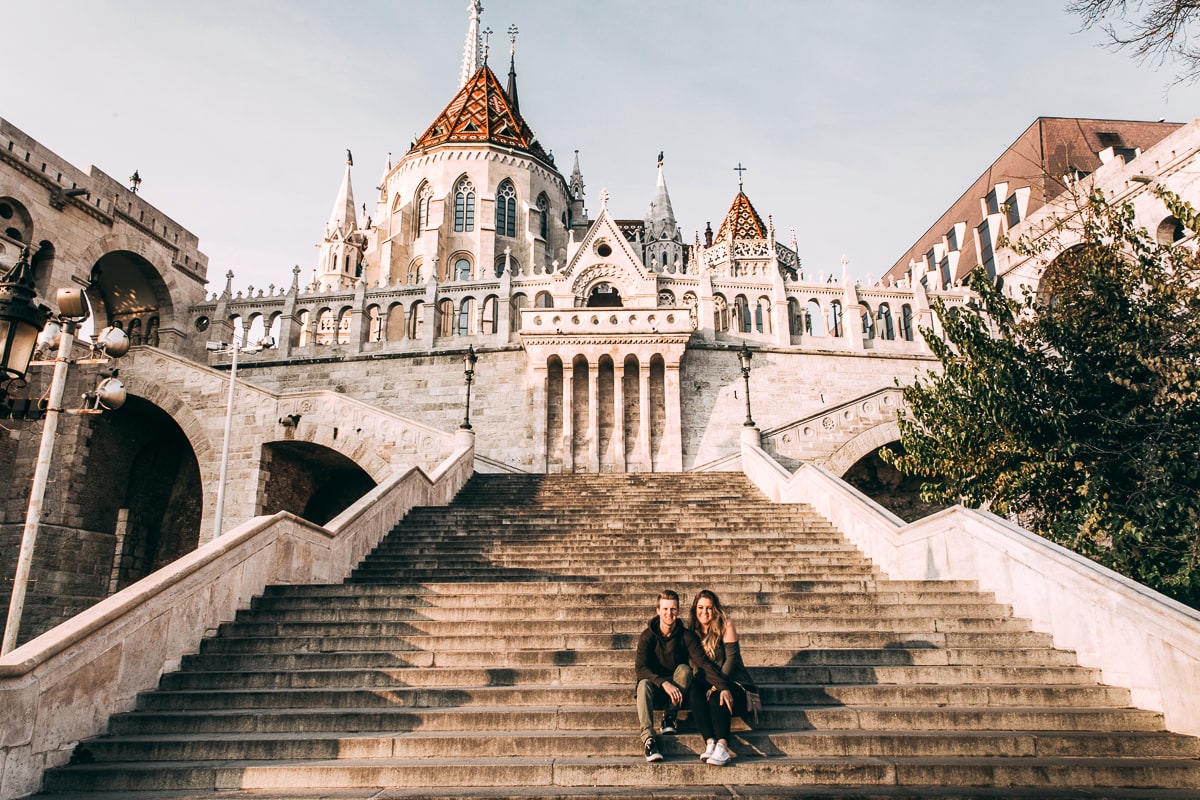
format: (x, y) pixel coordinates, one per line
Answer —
(744, 356)
(469, 359)
(19, 318)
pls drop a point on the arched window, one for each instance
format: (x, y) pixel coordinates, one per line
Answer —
(415, 319)
(396, 326)
(374, 324)
(795, 319)
(415, 276)
(462, 270)
(883, 318)
(518, 302)
(666, 298)
(835, 318)
(424, 196)
(814, 320)
(689, 302)
(543, 205)
(343, 327)
(15, 222)
(741, 314)
(464, 205)
(762, 315)
(326, 327)
(466, 317)
(506, 210)
(487, 316)
(445, 317)
(303, 328)
(720, 313)
(906, 326)
(868, 322)
(543, 300)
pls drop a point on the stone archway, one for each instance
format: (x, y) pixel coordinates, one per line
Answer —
(883, 483)
(604, 295)
(310, 480)
(128, 292)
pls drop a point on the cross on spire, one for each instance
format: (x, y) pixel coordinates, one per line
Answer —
(512, 40)
(739, 169)
(487, 41)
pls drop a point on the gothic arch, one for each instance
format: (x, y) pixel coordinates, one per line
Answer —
(127, 258)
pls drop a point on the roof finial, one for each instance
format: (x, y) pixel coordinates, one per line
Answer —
(660, 158)
(487, 42)
(512, 67)
(349, 158)
(512, 41)
(471, 51)
(739, 169)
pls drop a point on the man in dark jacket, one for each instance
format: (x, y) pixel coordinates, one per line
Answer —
(665, 651)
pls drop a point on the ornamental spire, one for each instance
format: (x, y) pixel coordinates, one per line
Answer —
(473, 49)
(512, 68)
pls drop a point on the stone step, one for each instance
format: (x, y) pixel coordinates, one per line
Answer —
(808, 744)
(749, 618)
(246, 678)
(211, 653)
(774, 626)
(587, 772)
(914, 591)
(623, 719)
(402, 696)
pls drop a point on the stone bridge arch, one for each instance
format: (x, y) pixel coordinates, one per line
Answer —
(862, 445)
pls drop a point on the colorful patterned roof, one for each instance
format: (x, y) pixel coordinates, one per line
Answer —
(743, 220)
(481, 113)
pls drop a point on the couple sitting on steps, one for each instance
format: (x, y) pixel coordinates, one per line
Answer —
(702, 661)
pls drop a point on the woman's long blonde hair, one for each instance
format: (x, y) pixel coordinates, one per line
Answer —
(716, 629)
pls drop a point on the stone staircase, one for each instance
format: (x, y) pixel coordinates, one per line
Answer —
(486, 650)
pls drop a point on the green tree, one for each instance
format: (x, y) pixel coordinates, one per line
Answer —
(1078, 408)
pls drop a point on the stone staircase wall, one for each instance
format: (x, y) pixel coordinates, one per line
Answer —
(1137, 637)
(64, 685)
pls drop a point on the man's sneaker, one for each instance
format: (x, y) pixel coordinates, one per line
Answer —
(652, 753)
(720, 755)
(669, 724)
(708, 751)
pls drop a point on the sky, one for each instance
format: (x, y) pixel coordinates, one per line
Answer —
(859, 122)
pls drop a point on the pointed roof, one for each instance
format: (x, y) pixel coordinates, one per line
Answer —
(661, 213)
(481, 113)
(576, 184)
(742, 220)
(343, 217)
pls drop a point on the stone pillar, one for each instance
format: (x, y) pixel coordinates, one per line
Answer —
(593, 417)
(357, 316)
(619, 418)
(674, 433)
(644, 416)
(541, 414)
(568, 416)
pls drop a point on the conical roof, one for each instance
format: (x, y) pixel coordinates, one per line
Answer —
(481, 113)
(743, 220)
(344, 217)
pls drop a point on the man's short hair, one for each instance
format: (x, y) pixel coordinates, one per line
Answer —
(668, 594)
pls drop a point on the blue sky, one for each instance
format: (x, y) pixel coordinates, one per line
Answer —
(859, 121)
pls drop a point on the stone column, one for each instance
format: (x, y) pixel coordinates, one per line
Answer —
(619, 418)
(593, 417)
(644, 416)
(358, 314)
(673, 435)
(541, 414)
(568, 416)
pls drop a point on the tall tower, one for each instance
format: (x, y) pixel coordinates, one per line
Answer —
(473, 48)
(343, 243)
(663, 245)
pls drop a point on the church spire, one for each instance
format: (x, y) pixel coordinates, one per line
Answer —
(512, 68)
(664, 243)
(343, 216)
(473, 49)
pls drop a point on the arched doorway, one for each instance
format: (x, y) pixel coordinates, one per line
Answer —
(604, 295)
(144, 486)
(310, 480)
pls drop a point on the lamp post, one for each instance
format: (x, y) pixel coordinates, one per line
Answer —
(217, 517)
(469, 359)
(20, 322)
(744, 356)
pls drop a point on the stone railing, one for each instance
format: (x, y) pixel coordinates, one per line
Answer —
(1137, 637)
(62, 687)
(575, 321)
(826, 436)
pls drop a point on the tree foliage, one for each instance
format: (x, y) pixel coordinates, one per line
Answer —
(1155, 31)
(1077, 408)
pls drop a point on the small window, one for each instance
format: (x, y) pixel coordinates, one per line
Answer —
(462, 270)
(506, 210)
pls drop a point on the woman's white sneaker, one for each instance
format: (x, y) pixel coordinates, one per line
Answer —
(708, 751)
(720, 755)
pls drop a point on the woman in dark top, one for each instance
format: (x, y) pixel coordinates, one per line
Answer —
(720, 640)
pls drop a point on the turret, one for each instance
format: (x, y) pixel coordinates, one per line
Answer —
(578, 214)
(663, 243)
(342, 245)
